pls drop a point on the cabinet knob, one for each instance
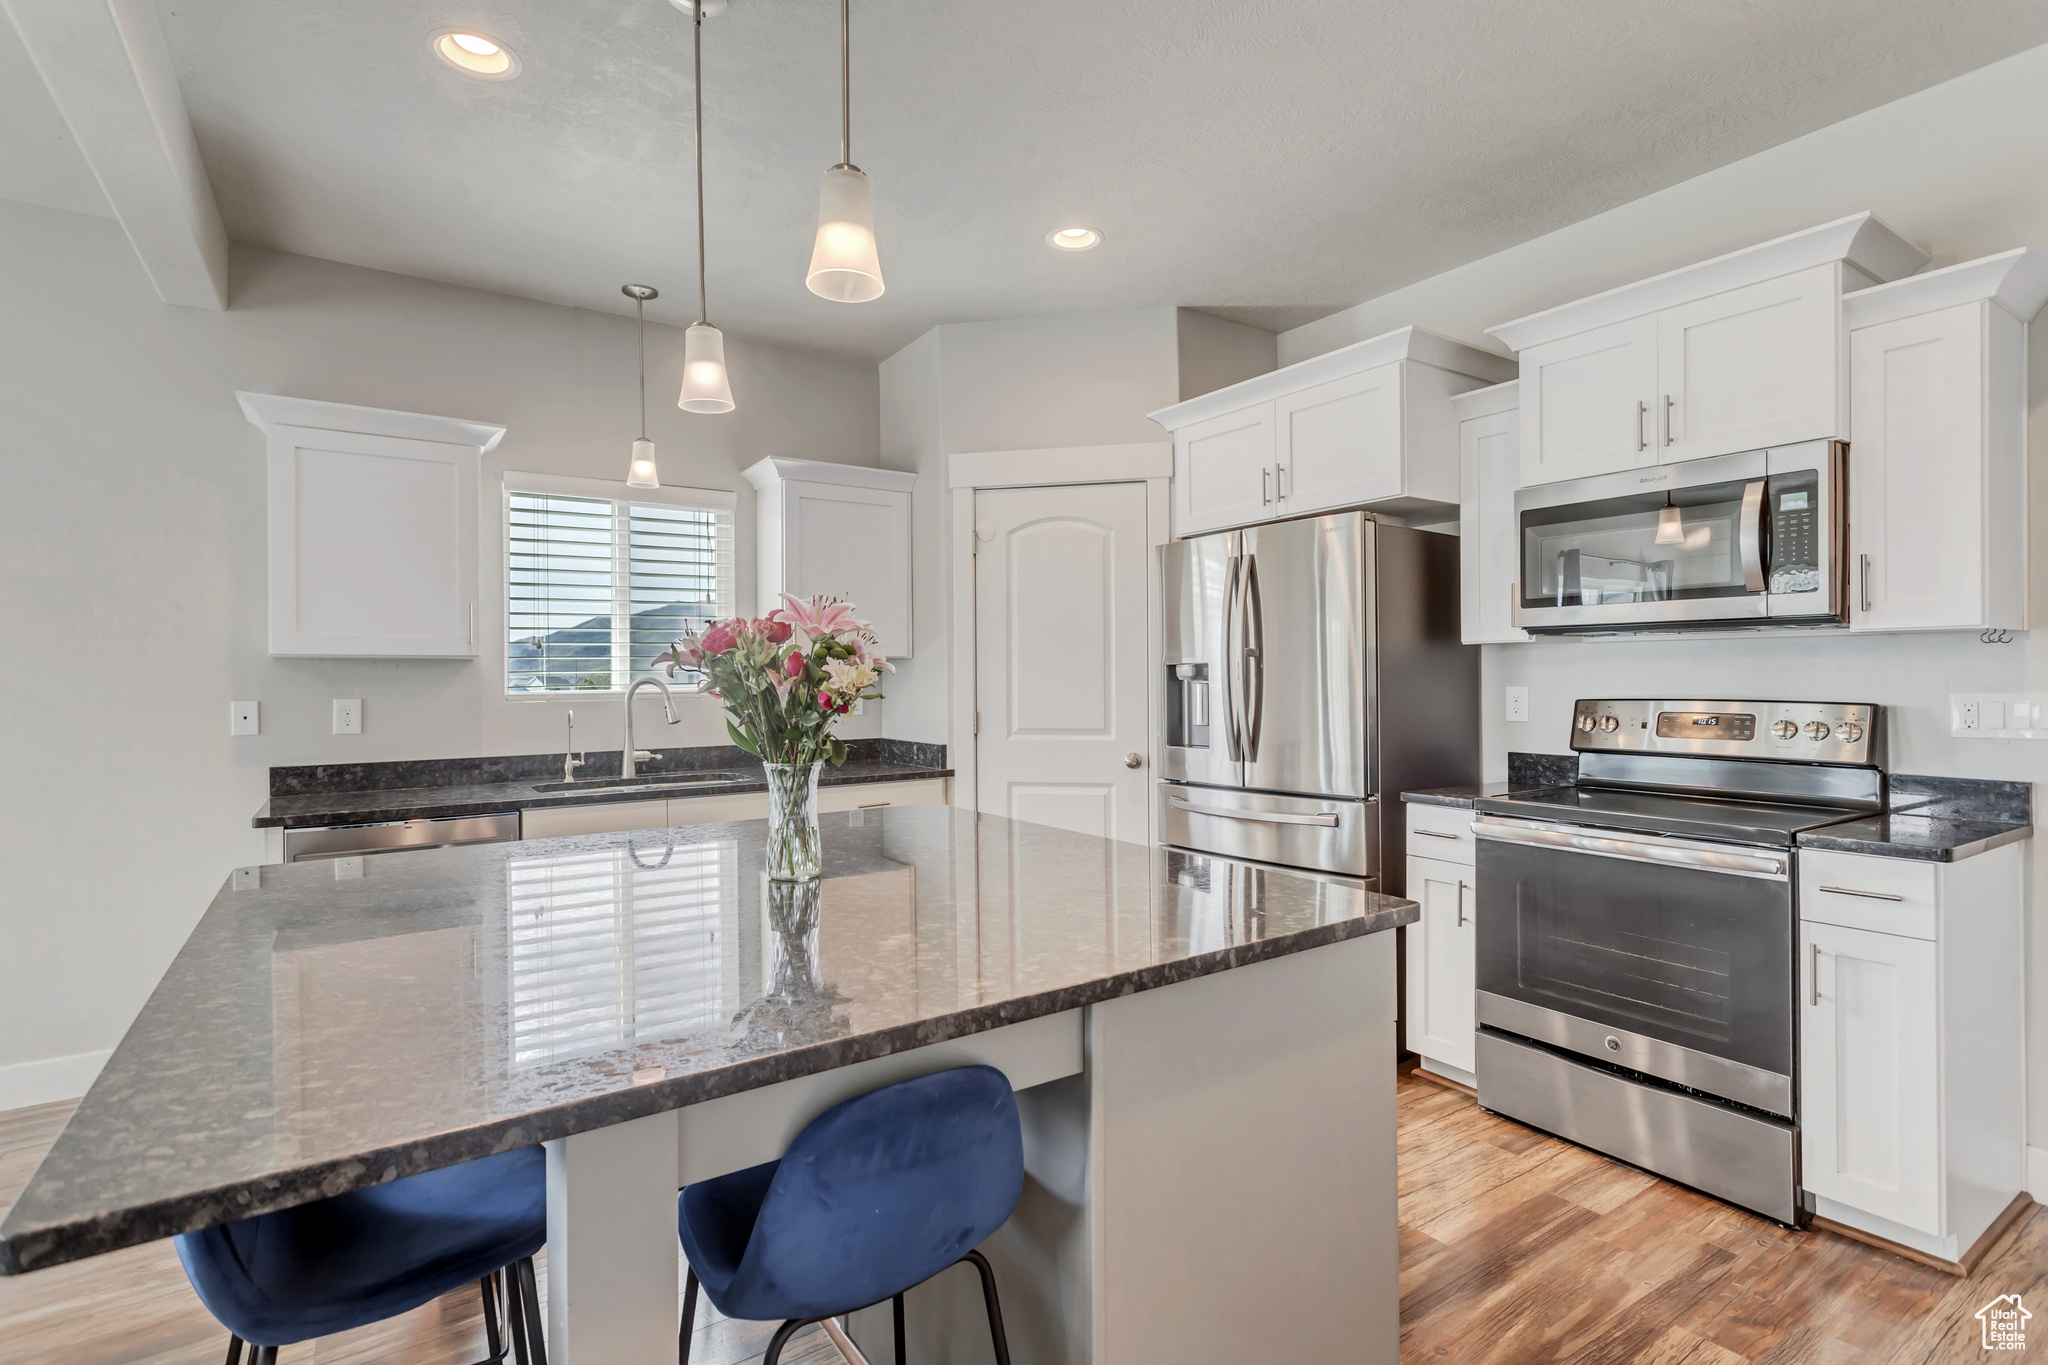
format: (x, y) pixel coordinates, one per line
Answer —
(1134, 760)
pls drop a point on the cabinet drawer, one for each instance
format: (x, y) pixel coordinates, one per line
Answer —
(870, 795)
(1440, 832)
(1881, 895)
(555, 822)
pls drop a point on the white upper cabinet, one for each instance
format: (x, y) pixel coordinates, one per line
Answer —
(372, 529)
(1369, 425)
(839, 531)
(1938, 446)
(1737, 353)
(1489, 568)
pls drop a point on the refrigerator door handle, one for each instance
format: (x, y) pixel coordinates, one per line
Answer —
(1229, 669)
(1254, 662)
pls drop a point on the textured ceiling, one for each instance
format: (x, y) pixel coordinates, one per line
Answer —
(1268, 161)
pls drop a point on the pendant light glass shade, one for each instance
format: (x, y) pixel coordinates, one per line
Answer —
(705, 388)
(844, 266)
(641, 473)
(1670, 525)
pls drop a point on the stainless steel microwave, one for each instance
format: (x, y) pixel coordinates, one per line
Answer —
(1758, 538)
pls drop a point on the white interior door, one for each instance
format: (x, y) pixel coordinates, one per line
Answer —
(1060, 650)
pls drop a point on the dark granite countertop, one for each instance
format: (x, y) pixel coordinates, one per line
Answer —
(314, 809)
(332, 1026)
(1928, 839)
(1464, 796)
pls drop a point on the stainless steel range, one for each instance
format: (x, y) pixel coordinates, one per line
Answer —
(1636, 934)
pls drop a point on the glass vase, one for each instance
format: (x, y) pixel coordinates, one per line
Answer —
(792, 820)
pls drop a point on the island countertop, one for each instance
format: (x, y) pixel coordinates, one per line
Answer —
(330, 1026)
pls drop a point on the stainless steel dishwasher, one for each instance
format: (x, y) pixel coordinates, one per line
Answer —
(398, 836)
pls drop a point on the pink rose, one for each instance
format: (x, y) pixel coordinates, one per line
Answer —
(778, 632)
(824, 699)
(795, 667)
(720, 638)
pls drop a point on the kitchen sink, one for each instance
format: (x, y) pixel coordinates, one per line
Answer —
(717, 777)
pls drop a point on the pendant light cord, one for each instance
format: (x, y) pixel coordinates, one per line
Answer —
(640, 311)
(697, 130)
(845, 87)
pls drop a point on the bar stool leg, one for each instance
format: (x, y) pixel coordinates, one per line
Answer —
(529, 1288)
(902, 1346)
(487, 1287)
(995, 1308)
(234, 1349)
(689, 1319)
(515, 1316)
(781, 1339)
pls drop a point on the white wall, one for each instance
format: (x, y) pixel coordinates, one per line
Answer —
(132, 541)
(1029, 384)
(1962, 170)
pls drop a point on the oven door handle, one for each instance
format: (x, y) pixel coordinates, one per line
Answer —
(1750, 537)
(1664, 852)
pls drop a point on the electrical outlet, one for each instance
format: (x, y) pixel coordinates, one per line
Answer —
(348, 869)
(348, 715)
(1998, 715)
(1966, 715)
(243, 718)
(248, 879)
(1518, 703)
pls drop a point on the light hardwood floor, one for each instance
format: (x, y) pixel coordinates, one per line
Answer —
(1516, 1249)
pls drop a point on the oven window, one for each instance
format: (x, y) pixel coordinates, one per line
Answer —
(1668, 546)
(1699, 959)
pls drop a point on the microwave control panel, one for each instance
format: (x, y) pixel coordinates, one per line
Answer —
(1804, 731)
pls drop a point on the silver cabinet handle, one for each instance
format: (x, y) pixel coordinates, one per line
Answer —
(1866, 895)
(1282, 485)
(873, 805)
(1436, 834)
(1667, 419)
(1461, 905)
(1864, 565)
(1749, 535)
(1134, 760)
(1265, 488)
(1814, 971)
(1642, 426)
(1262, 817)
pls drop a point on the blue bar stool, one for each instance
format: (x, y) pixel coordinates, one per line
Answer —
(874, 1197)
(371, 1254)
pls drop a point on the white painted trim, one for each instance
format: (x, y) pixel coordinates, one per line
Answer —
(51, 1079)
(1860, 239)
(1487, 402)
(2015, 280)
(1060, 465)
(1147, 462)
(2037, 1174)
(272, 411)
(109, 70)
(1403, 343)
(720, 498)
(766, 474)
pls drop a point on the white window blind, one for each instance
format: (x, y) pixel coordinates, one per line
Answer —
(618, 946)
(596, 586)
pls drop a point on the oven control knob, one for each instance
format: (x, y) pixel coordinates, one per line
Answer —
(1849, 732)
(1613, 1043)
(1816, 730)
(1786, 729)
(1608, 724)
(1586, 723)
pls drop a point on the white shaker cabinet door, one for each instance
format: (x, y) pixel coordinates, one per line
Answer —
(1489, 546)
(852, 544)
(1340, 442)
(1750, 368)
(1586, 403)
(1223, 471)
(1870, 1089)
(1442, 963)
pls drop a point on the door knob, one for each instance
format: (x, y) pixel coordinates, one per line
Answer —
(1134, 760)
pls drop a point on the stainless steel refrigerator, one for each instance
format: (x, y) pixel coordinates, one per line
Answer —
(1313, 673)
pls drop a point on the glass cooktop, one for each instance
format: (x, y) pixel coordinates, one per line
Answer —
(1651, 812)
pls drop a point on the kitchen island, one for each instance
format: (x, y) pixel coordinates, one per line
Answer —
(1202, 1051)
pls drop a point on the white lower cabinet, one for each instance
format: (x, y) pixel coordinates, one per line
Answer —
(1911, 1036)
(1442, 963)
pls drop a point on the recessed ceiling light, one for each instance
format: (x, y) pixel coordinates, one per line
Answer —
(475, 55)
(1074, 238)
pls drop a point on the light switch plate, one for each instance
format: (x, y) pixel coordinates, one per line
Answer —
(1518, 703)
(348, 715)
(244, 718)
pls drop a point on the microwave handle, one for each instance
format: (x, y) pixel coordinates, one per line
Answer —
(1750, 536)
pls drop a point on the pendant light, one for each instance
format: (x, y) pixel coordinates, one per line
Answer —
(844, 266)
(640, 473)
(705, 386)
(1670, 524)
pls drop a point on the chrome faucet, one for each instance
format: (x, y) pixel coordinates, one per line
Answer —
(630, 766)
(570, 763)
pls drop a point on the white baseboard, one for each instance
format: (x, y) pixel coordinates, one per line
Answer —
(2037, 1174)
(58, 1078)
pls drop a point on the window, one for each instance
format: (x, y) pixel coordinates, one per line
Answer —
(597, 585)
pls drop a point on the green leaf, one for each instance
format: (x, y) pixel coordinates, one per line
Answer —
(742, 740)
(837, 751)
